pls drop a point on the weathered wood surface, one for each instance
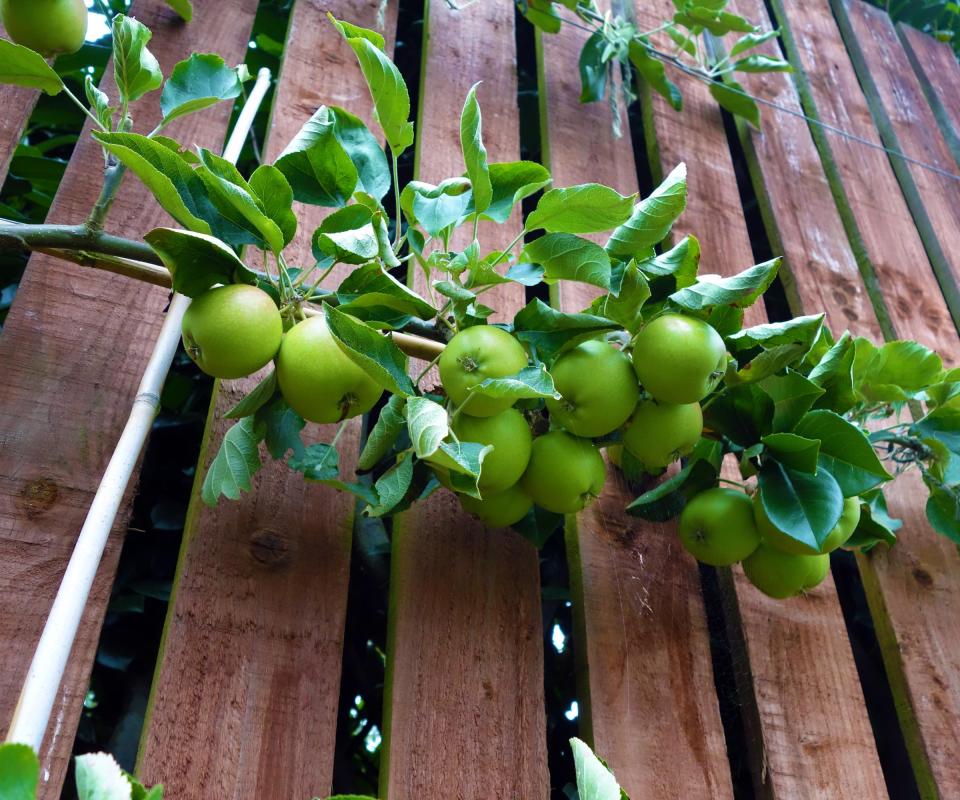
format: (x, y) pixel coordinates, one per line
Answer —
(646, 689)
(465, 713)
(906, 123)
(245, 699)
(73, 351)
(806, 725)
(938, 71)
(913, 589)
(17, 104)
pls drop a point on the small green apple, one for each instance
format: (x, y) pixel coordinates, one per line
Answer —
(717, 527)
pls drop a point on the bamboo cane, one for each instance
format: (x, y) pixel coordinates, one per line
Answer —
(39, 692)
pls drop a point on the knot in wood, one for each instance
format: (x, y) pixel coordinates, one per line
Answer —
(924, 578)
(271, 549)
(38, 496)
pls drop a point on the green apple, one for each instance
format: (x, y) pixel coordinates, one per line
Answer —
(232, 331)
(679, 359)
(717, 527)
(474, 355)
(512, 442)
(819, 567)
(773, 536)
(499, 510)
(778, 574)
(598, 387)
(565, 473)
(660, 433)
(318, 379)
(51, 27)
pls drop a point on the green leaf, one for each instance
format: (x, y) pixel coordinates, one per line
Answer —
(594, 780)
(21, 66)
(593, 68)
(391, 99)
(511, 182)
(793, 395)
(235, 464)
(385, 433)
(751, 40)
(370, 285)
(791, 450)
(799, 331)
(376, 355)
(274, 197)
(258, 397)
(571, 258)
(392, 486)
(528, 383)
(428, 425)
(99, 103)
(135, 69)
(19, 770)
(652, 218)
(540, 13)
(99, 777)
(364, 150)
(653, 72)
(318, 462)
(942, 424)
(184, 9)
(733, 98)
(767, 363)
(834, 372)
(845, 451)
(281, 427)
(762, 63)
(465, 460)
(196, 83)
(347, 236)
(743, 413)
(668, 498)
(680, 263)
(587, 208)
(876, 525)
(197, 261)
(740, 290)
(436, 208)
(718, 22)
(894, 372)
(474, 153)
(943, 511)
(349, 30)
(551, 331)
(805, 506)
(626, 305)
(538, 526)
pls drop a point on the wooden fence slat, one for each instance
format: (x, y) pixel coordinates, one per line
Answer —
(245, 699)
(73, 351)
(907, 124)
(17, 104)
(938, 71)
(646, 688)
(914, 589)
(806, 723)
(464, 710)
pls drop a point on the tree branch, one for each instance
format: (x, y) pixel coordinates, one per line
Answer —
(74, 237)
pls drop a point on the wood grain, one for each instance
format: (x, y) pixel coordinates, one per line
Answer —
(914, 588)
(17, 103)
(806, 725)
(938, 71)
(245, 699)
(465, 714)
(73, 350)
(646, 691)
(907, 124)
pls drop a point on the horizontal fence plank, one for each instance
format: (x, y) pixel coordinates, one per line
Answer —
(938, 71)
(465, 711)
(913, 589)
(907, 124)
(646, 689)
(805, 724)
(246, 694)
(73, 350)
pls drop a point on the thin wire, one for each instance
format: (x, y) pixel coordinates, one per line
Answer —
(676, 62)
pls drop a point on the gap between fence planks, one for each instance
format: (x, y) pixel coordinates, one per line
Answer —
(464, 702)
(935, 64)
(73, 349)
(907, 124)
(808, 723)
(17, 103)
(247, 689)
(913, 589)
(645, 682)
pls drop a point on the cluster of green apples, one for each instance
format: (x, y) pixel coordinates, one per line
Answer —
(50, 27)
(676, 359)
(722, 527)
(234, 331)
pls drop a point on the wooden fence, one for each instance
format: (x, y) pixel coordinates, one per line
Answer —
(246, 691)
